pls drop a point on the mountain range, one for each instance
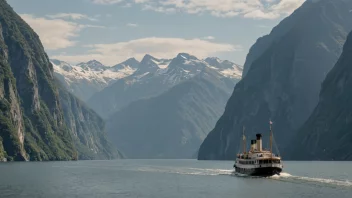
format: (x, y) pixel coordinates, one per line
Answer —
(282, 78)
(175, 102)
(155, 76)
(86, 79)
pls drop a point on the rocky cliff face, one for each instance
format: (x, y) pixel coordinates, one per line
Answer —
(33, 123)
(87, 129)
(11, 118)
(173, 124)
(283, 81)
(327, 133)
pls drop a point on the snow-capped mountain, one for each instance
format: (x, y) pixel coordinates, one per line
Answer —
(175, 107)
(186, 66)
(86, 79)
(225, 67)
(131, 63)
(92, 65)
(154, 76)
(151, 64)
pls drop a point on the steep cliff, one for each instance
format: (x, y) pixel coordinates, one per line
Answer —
(87, 129)
(327, 133)
(32, 123)
(283, 83)
(11, 119)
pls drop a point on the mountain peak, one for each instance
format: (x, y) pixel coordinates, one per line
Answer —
(147, 57)
(93, 65)
(55, 61)
(186, 63)
(132, 59)
(131, 62)
(186, 56)
(148, 64)
(221, 64)
(93, 61)
(61, 64)
(214, 61)
(184, 59)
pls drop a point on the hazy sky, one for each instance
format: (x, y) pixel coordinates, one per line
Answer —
(114, 30)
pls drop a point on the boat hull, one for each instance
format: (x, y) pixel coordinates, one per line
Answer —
(262, 172)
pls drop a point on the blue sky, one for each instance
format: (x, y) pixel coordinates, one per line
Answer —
(112, 31)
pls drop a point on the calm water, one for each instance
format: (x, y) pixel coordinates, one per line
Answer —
(171, 178)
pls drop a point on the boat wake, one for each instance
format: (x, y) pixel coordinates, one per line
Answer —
(283, 177)
(286, 177)
(187, 171)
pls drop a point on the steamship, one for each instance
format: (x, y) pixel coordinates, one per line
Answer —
(258, 161)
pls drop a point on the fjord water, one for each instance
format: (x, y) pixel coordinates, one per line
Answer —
(170, 178)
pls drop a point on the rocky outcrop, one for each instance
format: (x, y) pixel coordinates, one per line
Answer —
(283, 77)
(327, 133)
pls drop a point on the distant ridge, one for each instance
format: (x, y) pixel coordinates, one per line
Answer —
(153, 77)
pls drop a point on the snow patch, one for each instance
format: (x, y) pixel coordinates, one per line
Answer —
(162, 64)
(232, 73)
(79, 73)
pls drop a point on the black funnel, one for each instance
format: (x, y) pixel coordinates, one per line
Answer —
(259, 136)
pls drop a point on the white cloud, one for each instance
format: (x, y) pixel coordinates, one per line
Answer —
(127, 5)
(209, 38)
(257, 9)
(55, 33)
(141, 1)
(287, 6)
(107, 2)
(73, 16)
(259, 14)
(94, 26)
(159, 9)
(111, 54)
(132, 25)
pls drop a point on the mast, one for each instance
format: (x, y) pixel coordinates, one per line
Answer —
(271, 138)
(244, 141)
